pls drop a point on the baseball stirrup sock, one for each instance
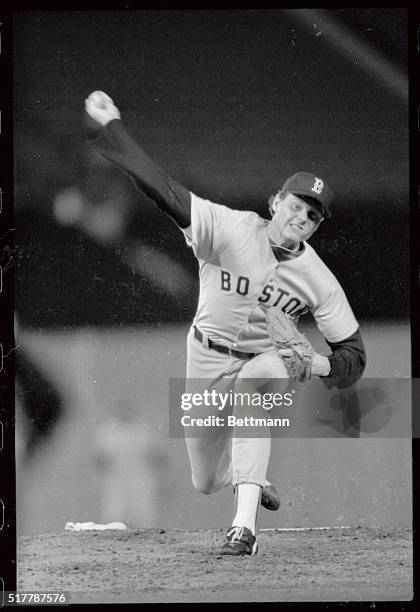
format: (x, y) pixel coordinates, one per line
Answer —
(247, 504)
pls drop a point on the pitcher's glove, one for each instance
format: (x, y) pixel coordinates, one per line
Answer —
(285, 335)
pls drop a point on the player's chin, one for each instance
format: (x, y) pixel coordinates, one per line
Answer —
(298, 235)
(295, 234)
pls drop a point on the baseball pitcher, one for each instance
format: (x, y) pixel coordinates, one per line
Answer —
(257, 277)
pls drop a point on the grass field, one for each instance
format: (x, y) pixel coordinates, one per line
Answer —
(156, 565)
(366, 481)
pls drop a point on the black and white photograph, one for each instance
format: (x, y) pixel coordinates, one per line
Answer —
(202, 188)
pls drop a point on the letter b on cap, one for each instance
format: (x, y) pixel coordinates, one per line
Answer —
(318, 186)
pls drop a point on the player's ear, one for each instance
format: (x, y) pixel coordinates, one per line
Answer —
(275, 203)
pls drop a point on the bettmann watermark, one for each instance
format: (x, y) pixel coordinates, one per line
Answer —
(377, 408)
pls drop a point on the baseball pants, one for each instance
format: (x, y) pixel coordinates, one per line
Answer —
(227, 455)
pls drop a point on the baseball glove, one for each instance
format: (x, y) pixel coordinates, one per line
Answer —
(285, 335)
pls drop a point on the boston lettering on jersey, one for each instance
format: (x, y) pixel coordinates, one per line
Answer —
(270, 295)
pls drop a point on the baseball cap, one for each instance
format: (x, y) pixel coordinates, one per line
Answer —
(305, 183)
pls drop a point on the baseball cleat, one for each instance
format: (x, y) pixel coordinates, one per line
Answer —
(270, 498)
(239, 541)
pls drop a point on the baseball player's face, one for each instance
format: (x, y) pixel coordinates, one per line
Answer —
(293, 221)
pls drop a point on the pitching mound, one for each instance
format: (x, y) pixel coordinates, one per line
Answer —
(173, 566)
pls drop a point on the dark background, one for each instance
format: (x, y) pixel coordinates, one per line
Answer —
(230, 103)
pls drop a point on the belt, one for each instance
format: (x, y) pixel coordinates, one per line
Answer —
(221, 348)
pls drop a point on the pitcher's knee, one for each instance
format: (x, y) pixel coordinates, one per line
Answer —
(205, 485)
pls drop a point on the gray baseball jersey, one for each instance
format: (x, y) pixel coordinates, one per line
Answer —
(240, 278)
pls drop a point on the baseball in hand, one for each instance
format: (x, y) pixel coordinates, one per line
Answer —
(101, 108)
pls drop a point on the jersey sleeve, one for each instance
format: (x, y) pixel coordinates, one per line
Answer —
(113, 142)
(334, 316)
(211, 226)
(348, 362)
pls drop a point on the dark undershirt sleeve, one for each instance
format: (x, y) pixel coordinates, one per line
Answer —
(348, 361)
(113, 142)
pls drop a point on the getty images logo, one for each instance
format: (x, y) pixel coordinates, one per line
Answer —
(318, 186)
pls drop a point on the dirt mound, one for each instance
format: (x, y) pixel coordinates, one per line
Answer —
(349, 564)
